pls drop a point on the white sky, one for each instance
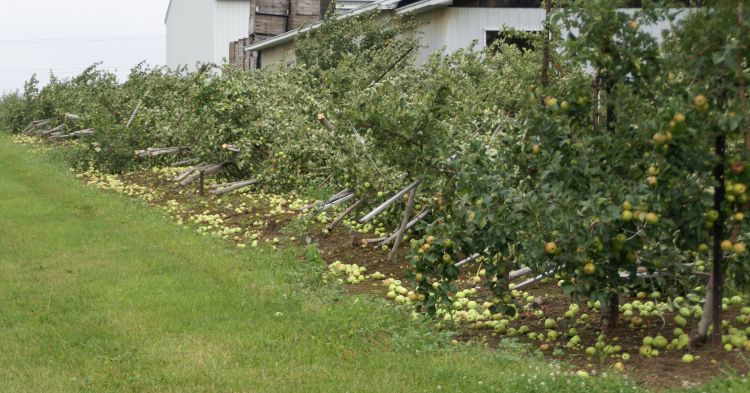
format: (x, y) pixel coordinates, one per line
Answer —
(68, 36)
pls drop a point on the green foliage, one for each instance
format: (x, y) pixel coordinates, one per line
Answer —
(143, 305)
(520, 173)
(708, 58)
(548, 191)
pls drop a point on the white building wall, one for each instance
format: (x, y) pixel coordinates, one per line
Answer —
(231, 22)
(190, 32)
(468, 24)
(433, 33)
(454, 28)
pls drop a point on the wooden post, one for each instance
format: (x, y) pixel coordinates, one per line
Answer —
(393, 255)
(202, 190)
(135, 112)
(410, 224)
(339, 195)
(336, 202)
(369, 216)
(519, 273)
(194, 173)
(467, 260)
(220, 189)
(346, 212)
(535, 280)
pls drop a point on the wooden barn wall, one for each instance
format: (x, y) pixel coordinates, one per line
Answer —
(303, 12)
(241, 59)
(270, 24)
(269, 18)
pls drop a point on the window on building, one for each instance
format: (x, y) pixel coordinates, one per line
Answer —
(521, 40)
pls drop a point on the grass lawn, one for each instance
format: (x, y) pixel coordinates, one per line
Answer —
(99, 293)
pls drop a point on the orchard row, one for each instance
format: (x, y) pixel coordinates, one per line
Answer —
(623, 157)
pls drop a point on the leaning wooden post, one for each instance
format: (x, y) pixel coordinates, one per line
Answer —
(202, 186)
(220, 189)
(346, 212)
(393, 255)
(535, 280)
(135, 112)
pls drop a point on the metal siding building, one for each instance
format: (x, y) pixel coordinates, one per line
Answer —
(454, 28)
(447, 25)
(199, 31)
(231, 21)
(468, 24)
(432, 31)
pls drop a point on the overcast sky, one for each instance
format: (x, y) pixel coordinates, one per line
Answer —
(68, 36)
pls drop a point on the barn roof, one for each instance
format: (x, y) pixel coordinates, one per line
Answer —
(400, 7)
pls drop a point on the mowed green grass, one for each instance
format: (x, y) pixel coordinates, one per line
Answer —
(99, 293)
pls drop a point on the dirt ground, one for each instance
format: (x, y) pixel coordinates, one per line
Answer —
(657, 373)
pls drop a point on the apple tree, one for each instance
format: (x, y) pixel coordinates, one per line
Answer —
(704, 115)
(566, 187)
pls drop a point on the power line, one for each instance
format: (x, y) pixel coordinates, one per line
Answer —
(74, 40)
(57, 71)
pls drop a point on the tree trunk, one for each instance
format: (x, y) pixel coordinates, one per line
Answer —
(741, 71)
(595, 104)
(708, 312)
(613, 311)
(610, 107)
(717, 275)
(545, 53)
